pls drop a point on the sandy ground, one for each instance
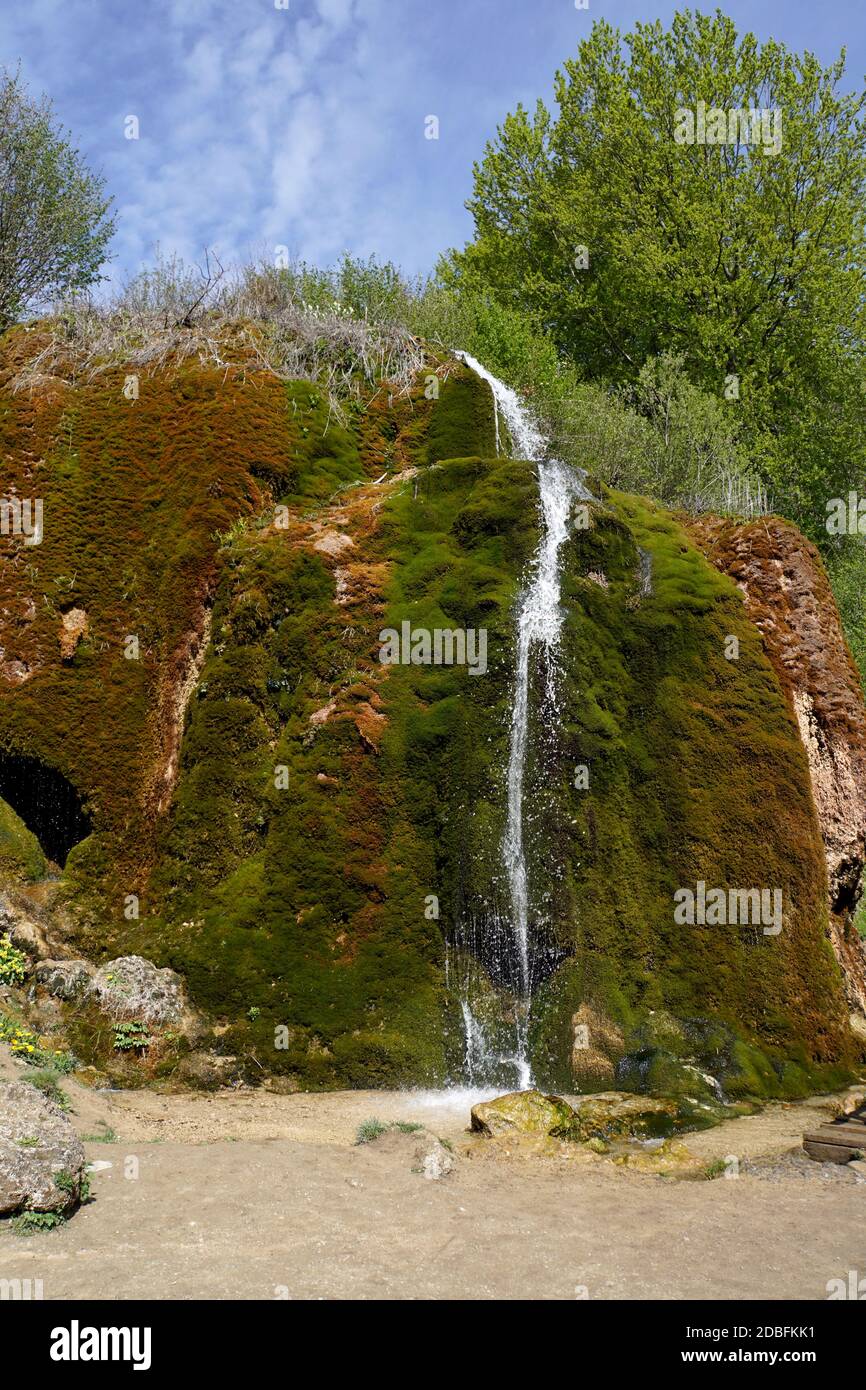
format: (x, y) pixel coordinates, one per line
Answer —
(259, 1196)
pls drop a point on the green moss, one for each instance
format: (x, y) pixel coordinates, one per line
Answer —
(463, 422)
(21, 854)
(696, 772)
(335, 825)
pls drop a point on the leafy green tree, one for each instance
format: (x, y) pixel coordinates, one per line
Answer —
(54, 227)
(745, 258)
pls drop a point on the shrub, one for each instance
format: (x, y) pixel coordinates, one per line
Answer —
(13, 963)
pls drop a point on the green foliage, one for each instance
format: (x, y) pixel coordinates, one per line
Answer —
(78, 1188)
(54, 230)
(747, 261)
(845, 558)
(33, 1223)
(369, 1130)
(131, 1037)
(13, 963)
(715, 1169)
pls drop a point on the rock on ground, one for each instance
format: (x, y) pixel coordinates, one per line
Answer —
(521, 1112)
(65, 979)
(41, 1157)
(134, 988)
(610, 1114)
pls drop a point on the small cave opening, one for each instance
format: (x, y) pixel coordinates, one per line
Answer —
(46, 801)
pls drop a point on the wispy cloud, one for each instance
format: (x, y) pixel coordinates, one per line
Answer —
(303, 126)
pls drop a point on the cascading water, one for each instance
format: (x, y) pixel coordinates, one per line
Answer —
(539, 624)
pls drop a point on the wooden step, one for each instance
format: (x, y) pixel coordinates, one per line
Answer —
(836, 1143)
(842, 1128)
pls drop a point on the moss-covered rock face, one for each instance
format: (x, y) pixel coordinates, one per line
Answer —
(694, 773)
(311, 836)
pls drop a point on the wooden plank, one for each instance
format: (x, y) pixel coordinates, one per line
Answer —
(828, 1153)
(843, 1134)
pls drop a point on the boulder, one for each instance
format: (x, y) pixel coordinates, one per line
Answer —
(41, 1157)
(65, 979)
(615, 1115)
(24, 933)
(134, 988)
(522, 1112)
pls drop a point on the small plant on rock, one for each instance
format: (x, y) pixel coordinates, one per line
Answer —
(131, 1037)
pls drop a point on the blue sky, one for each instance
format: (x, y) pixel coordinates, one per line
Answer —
(304, 126)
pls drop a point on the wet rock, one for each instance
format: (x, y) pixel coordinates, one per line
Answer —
(662, 1032)
(615, 1115)
(64, 979)
(521, 1112)
(134, 988)
(661, 1073)
(41, 1157)
(597, 1045)
(669, 1159)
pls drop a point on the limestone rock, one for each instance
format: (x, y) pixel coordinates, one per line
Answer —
(521, 1112)
(73, 628)
(134, 988)
(432, 1158)
(670, 1159)
(596, 1048)
(616, 1115)
(22, 931)
(788, 597)
(41, 1157)
(65, 979)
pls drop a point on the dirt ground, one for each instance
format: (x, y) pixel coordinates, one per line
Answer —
(261, 1196)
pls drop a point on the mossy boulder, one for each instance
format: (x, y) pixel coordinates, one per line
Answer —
(522, 1112)
(615, 1115)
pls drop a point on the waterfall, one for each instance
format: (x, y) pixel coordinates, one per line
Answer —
(539, 621)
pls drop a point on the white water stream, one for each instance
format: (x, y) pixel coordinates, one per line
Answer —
(539, 623)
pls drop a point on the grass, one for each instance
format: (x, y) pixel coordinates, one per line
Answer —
(370, 1130)
(107, 1135)
(48, 1082)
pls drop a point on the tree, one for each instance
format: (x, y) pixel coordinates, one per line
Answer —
(54, 227)
(742, 251)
